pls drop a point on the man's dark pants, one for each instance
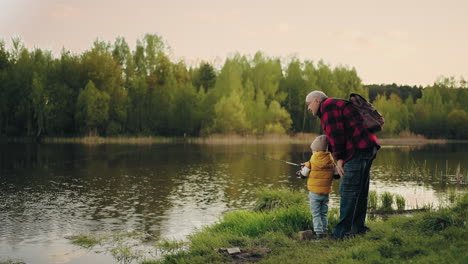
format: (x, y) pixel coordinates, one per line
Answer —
(354, 191)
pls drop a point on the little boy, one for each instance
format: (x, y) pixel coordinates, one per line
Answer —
(319, 170)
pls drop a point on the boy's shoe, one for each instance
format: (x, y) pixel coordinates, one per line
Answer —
(321, 236)
(364, 230)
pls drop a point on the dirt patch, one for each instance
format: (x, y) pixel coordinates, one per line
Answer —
(247, 255)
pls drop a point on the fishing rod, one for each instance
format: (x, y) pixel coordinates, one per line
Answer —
(265, 157)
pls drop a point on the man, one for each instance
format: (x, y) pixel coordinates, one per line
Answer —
(354, 148)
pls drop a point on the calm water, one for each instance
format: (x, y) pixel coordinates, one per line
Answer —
(50, 191)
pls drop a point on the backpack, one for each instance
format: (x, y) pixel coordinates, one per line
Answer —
(372, 118)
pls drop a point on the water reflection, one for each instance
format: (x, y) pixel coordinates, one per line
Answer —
(166, 190)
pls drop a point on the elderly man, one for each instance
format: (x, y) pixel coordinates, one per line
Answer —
(354, 148)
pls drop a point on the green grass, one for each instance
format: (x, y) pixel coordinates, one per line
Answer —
(268, 199)
(428, 237)
(86, 241)
(11, 261)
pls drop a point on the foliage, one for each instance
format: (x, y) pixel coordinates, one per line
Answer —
(142, 92)
(403, 91)
(204, 77)
(92, 111)
(458, 123)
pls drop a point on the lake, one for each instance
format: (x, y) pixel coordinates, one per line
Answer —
(51, 191)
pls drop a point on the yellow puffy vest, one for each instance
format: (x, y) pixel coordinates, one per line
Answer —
(321, 173)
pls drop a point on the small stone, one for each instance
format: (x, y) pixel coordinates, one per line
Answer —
(232, 251)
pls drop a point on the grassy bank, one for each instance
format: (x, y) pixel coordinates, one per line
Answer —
(268, 234)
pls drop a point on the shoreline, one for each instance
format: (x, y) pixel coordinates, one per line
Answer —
(272, 232)
(300, 138)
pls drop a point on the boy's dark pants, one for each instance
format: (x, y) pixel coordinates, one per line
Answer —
(354, 191)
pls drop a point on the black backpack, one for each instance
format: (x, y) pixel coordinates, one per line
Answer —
(372, 118)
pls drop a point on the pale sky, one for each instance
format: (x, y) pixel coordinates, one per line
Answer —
(405, 42)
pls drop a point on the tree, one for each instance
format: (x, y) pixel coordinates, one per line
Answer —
(430, 110)
(310, 123)
(154, 46)
(64, 86)
(100, 67)
(40, 104)
(348, 82)
(395, 114)
(22, 73)
(326, 80)
(295, 87)
(228, 88)
(230, 115)
(458, 124)
(278, 120)
(186, 112)
(256, 110)
(266, 75)
(5, 90)
(138, 106)
(92, 112)
(139, 59)
(123, 57)
(205, 77)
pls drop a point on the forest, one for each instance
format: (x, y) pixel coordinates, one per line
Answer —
(114, 90)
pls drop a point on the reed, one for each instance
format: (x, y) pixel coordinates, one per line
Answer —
(452, 195)
(386, 202)
(421, 172)
(400, 202)
(372, 201)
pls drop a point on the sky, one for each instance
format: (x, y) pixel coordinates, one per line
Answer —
(410, 42)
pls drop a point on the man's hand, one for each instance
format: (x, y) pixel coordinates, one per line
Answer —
(339, 168)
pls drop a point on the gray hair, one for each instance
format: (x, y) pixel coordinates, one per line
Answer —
(316, 94)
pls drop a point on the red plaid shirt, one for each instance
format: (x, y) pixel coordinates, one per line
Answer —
(342, 124)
